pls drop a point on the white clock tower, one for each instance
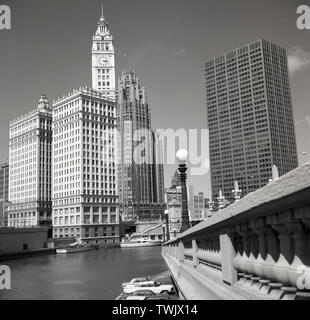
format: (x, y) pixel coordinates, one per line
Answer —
(103, 60)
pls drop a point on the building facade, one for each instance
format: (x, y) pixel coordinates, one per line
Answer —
(250, 117)
(174, 193)
(4, 194)
(85, 201)
(199, 213)
(141, 177)
(158, 169)
(103, 60)
(175, 218)
(30, 174)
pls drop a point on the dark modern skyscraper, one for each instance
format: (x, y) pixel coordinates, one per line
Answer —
(250, 117)
(141, 183)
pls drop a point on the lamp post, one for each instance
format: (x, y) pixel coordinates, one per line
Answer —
(182, 157)
(164, 236)
(167, 224)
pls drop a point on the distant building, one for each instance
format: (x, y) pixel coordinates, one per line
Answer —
(174, 192)
(199, 207)
(208, 209)
(175, 181)
(250, 117)
(4, 194)
(174, 195)
(141, 176)
(30, 159)
(175, 218)
(85, 201)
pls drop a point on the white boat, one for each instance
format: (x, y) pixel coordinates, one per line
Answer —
(140, 242)
(78, 246)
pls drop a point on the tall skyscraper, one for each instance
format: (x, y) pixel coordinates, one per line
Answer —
(4, 194)
(140, 181)
(85, 201)
(103, 60)
(250, 117)
(30, 168)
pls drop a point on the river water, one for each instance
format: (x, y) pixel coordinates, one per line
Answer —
(95, 275)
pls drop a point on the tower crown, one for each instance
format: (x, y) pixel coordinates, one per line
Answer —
(103, 26)
(43, 103)
(103, 59)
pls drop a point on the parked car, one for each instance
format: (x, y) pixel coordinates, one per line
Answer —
(143, 292)
(137, 281)
(159, 297)
(156, 288)
(136, 298)
(150, 295)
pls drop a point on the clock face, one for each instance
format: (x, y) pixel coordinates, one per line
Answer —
(103, 60)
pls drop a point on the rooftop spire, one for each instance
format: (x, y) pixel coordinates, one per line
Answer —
(102, 17)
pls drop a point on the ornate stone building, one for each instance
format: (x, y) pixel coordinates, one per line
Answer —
(141, 177)
(30, 161)
(85, 200)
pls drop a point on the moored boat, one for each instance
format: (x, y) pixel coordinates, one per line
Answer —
(79, 246)
(140, 242)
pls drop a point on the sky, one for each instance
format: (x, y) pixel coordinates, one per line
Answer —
(166, 42)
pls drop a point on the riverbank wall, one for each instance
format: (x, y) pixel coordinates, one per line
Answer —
(23, 242)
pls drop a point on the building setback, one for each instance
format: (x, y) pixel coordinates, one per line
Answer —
(141, 181)
(250, 117)
(85, 201)
(30, 168)
(4, 194)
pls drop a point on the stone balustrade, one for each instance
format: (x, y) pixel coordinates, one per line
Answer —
(257, 248)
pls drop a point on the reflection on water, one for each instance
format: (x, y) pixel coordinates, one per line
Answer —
(86, 275)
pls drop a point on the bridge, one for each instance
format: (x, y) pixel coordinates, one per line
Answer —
(256, 249)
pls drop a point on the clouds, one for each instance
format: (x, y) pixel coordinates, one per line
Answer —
(149, 52)
(303, 122)
(180, 53)
(298, 59)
